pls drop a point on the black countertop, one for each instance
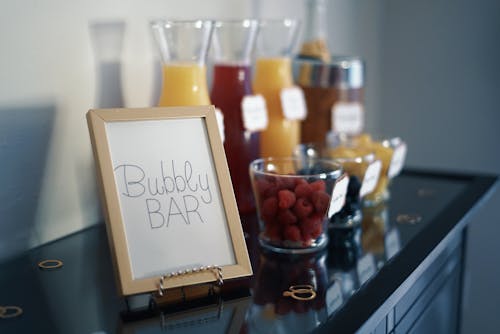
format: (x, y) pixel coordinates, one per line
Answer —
(352, 279)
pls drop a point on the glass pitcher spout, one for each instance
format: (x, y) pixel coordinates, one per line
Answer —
(183, 47)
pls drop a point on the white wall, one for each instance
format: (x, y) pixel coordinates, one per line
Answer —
(49, 74)
(47, 83)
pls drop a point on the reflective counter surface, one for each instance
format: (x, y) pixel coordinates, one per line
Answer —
(351, 279)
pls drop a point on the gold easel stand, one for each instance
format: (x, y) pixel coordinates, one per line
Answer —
(187, 293)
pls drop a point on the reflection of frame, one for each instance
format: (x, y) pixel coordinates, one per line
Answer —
(168, 199)
(227, 317)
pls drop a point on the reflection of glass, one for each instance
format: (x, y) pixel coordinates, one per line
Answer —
(344, 248)
(273, 73)
(272, 312)
(183, 48)
(227, 317)
(375, 221)
(392, 243)
(233, 43)
(293, 197)
(107, 40)
(363, 169)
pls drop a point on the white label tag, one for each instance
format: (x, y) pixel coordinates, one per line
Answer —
(371, 178)
(398, 160)
(293, 103)
(338, 196)
(333, 298)
(348, 117)
(254, 112)
(220, 123)
(365, 268)
(392, 244)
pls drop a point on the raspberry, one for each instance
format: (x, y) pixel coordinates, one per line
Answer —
(286, 217)
(320, 200)
(308, 224)
(300, 180)
(318, 185)
(317, 230)
(287, 183)
(286, 199)
(272, 191)
(303, 190)
(269, 208)
(311, 227)
(292, 232)
(262, 186)
(273, 232)
(303, 207)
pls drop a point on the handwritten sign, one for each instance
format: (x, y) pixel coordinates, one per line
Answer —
(370, 180)
(347, 117)
(254, 112)
(220, 123)
(293, 103)
(167, 193)
(398, 160)
(338, 195)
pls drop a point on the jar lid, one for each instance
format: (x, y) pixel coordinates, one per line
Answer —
(343, 72)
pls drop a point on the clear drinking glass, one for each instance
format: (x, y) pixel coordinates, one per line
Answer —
(273, 73)
(233, 43)
(391, 151)
(183, 47)
(293, 197)
(363, 169)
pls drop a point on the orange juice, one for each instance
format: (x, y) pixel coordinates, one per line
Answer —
(384, 154)
(281, 135)
(184, 84)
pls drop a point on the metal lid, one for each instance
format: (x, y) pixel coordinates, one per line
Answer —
(343, 72)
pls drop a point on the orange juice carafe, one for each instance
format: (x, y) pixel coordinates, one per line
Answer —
(183, 48)
(273, 73)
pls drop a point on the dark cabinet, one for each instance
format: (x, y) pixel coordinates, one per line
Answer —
(436, 308)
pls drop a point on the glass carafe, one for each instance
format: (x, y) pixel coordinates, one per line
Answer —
(183, 48)
(233, 43)
(273, 74)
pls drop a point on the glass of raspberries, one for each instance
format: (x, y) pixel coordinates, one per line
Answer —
(293, 196)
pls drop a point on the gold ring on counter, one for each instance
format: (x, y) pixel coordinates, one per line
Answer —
(50, 264)
(10, 312)
(409, 218)
(300, 292)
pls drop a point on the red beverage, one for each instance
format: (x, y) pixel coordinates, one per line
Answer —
(231, 83)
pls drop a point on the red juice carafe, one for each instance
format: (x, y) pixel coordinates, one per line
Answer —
(233, 42)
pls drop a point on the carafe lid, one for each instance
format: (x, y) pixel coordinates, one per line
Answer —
(343, 72)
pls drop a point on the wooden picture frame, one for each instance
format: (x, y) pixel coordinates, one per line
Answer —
(152, 164)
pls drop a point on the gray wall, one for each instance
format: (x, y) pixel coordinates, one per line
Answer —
(440, 89)
(440, 81)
